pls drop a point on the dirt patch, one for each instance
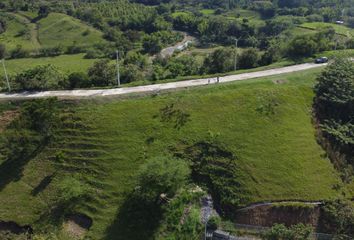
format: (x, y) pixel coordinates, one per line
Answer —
(280, 81)
(7, 117)
(77, 225)
(269, 215)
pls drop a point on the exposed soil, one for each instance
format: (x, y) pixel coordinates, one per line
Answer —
(268, 215)
(77, 225)
(7, 117)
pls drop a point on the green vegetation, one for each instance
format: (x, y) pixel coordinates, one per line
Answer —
(339, 216)
(60, 29)
(261, 123)
(65, 63)
(334, 110)
(18, 32)
(340, 29)
(295, 232)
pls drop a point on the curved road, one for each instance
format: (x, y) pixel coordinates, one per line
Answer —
(68, 94)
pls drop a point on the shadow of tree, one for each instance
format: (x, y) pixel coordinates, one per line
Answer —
(42, 185)
(12, 169)
(135, 220)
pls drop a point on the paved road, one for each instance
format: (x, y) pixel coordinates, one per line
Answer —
(68, 94)
(167, 52)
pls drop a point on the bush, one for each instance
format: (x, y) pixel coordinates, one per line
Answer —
(152, 44)
(102, 73)
(79, 80)
(339, 216)
(295, 232)
(221, 60)
(51, 51)
(302, 46)
(44, 77)
(249, 58)
(19, 52)
(131, 73)
(161, 175)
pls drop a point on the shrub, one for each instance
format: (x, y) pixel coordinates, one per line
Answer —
(339, 216)
(295, 232)
(131, 73)
(79, 80)
(102, 73)
(71, 189)
(249, 58)
(152, 44)
(302, 46)
(221, 60)
(19, 52)
(43, 77)
(51, 51)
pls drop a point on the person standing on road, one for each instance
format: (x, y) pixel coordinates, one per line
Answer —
(217, 79)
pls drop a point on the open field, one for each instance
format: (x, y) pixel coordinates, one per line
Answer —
(265, 123)
(66, 63)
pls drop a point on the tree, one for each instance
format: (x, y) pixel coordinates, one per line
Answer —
(339, 216)
(249, 58)
(41, 115)
(43, 11)
(102, 73)
(152, 44)
(221, 60)
(131, 73)
(302, 46)
(334, 105)
(79, 80)
(335, 90)
(43, 77)
(161, 175)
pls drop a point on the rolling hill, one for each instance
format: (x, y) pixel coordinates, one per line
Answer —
(265, 123)
(56, 29)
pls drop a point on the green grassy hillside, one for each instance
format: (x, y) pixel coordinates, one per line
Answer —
(266, 125)
(340, 29)
(56, 29)
(62, 29)
(19, 32)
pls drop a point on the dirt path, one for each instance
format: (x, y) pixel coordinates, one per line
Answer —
(34, 29)
(69, 94)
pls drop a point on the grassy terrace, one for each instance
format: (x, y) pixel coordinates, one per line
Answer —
(266, 125)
